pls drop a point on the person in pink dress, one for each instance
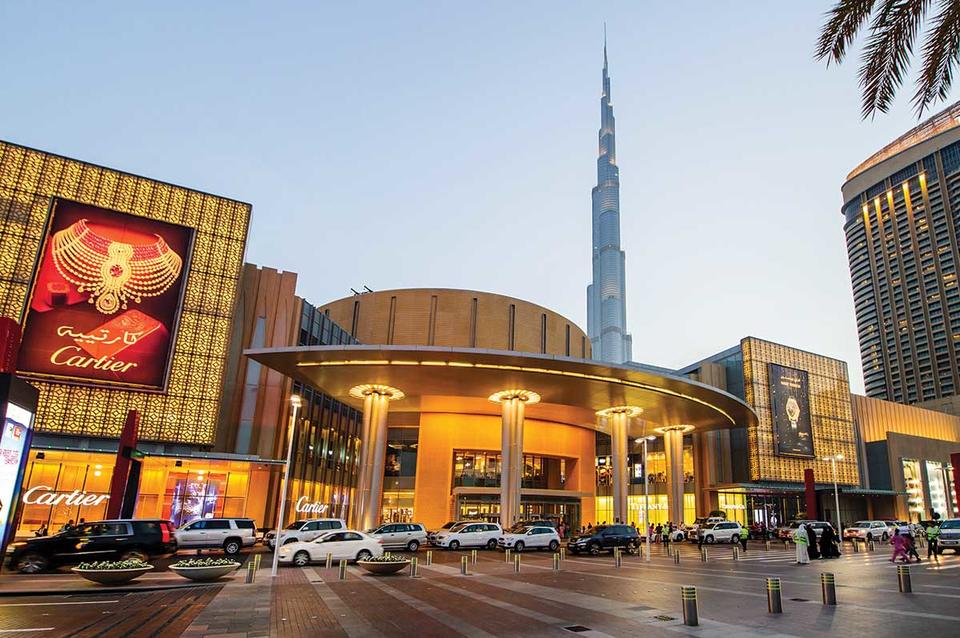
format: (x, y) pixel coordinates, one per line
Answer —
(899, 544)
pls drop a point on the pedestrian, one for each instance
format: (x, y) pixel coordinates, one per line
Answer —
(933, 539)
(561, 530)
(812, 547)
(828, 543)
(898, 543)
(744, 535)
(657, 533)
(650, 532)
(801, 540)
(910, 547)
(67, 526)
(81, 522)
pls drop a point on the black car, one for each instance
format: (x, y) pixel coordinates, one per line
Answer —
(604, 538)
(101, 540)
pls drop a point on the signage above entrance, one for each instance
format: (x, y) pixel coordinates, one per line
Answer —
(304, 506)
(43, 495)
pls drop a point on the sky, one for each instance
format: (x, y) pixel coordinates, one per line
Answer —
(449, 144)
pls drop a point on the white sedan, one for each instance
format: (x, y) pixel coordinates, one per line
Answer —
(342, 545)
(532, 537)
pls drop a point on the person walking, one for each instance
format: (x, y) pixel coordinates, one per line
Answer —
(899, 544)
(812, 547)
(657, 533)
(801, 540)
(828, 543)
(910, 546)
(932, 531)
(744, 535)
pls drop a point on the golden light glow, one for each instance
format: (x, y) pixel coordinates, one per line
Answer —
(674, 428)
(629, 410)
(361, 391)
(526, 396)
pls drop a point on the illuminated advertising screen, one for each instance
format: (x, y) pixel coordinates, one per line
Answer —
(790, 408)
(14, 448)
(106, 297)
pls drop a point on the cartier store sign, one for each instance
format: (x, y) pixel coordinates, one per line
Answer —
(43, 495)
(106, 297)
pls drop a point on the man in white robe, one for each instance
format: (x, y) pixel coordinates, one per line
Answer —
(801, 540)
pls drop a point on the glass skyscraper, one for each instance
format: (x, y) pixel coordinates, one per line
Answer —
(901, 209)
(606, 296)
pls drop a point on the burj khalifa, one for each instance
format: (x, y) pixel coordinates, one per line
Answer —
(606, 296)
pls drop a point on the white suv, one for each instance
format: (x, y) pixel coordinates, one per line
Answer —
(725, 532)
(229, 534)
(867, 531)
(531, 537)
(470, 535)
(305, 530)
(409, 536)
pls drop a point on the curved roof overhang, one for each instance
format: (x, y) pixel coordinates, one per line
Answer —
(435, 379)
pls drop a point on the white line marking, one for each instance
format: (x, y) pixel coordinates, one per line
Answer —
(78, 602)
(23, 631)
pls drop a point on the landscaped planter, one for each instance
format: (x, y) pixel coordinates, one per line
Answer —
(112, 576)
(204, 570)
(382, 568)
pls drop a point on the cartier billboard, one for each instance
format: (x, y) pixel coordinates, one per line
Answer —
(105, 299)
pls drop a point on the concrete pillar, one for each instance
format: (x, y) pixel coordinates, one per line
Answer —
(673, 447)
(618, 418)
(512, 403)
(368, 499)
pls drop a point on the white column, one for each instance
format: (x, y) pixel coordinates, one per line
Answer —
(618, 452)
(368, 497)
(673, 447)
(512, 404)
(362, 493)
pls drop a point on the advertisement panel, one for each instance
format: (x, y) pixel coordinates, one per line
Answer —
(106, 298)
(790, 409)
(14, 449)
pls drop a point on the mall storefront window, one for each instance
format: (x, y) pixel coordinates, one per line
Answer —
(481, 468)
(60, 486)
(399, 474)
(486, 507)
(636, 509)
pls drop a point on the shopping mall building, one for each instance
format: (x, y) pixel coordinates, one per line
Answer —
(415, 405)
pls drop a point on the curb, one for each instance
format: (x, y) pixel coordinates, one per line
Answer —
(106, 590)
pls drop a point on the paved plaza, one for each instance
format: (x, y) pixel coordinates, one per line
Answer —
(588, 596)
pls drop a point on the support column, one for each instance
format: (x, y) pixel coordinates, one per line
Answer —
(368, 498)
(673, 448)
(512, 404)
(619, 420)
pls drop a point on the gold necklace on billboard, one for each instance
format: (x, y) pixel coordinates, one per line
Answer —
(112, 271)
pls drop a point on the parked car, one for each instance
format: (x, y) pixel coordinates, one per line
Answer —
(229, 534)
(346, 544)
(101, 540)
(432, 536)
(785, 533)
(530, 537)
(409, 536)
(703, 521)
(950, 535)
(305, 530)
(724, 532)
(867, 531)
(470, 535)
(604, 538)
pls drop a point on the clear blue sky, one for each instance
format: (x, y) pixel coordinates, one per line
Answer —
(454, 144)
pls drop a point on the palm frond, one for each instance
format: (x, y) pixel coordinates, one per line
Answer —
(941, 50)
(845, 20)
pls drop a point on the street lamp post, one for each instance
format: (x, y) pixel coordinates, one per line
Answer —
(295, 402)
(836, 496)
(646, 496)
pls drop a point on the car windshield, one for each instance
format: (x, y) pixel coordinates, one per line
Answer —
(861, 524)
(295, 525)
(449, 525)
(458, 527)
(954, 524)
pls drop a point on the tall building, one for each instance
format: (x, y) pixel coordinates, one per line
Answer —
(607, 295)
(900, 209)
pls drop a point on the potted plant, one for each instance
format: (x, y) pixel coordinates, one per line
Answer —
(112, 572)
(203, 569)
(385, 564)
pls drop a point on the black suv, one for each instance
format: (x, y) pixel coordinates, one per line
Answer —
(604, 538)
(101, 540)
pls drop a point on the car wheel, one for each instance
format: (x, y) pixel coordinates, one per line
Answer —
(594, 549)
(364, 554)
(554, 546)
(491, 544)
(518, 547)
(301, 559)
(134, 554)
(632, 548)
(884, 537)
(709, 539)
(32, 564)
(413, 546)
(232, 547)
(454, 545)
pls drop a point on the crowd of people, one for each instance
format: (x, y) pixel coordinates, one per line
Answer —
(811, 547)
(904, 543)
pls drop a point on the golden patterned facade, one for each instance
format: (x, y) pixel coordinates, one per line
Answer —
(187, 411)
(830, 414)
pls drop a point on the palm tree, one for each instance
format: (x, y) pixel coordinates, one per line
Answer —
(893, 26)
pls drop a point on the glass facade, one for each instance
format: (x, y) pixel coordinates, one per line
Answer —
(481, 468)
(913, 482)
(400, 474)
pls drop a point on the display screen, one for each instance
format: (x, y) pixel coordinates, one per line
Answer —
(790, 408)
(106, 297)
(14, 448)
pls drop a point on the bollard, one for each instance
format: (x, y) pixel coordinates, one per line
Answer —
(856, 546)
(256, 564)
(343, 570)
(556, 562)
(429, 557)
(464, 570)
(903, 579)
(617, 557)
(688, 598)
(249, 576)
(703, 554)
(676, 558)
(871, 546)
(516, 563)
(506, 555)
(736, 552)
(828, 587)
(563, 553)
(473, 556)
(774, 596)
(329, 561)
(766, 545)
(414, 568)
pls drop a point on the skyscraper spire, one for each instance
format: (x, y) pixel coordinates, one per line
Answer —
(606, 296)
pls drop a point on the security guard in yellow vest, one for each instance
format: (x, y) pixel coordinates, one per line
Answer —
(933, 538)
